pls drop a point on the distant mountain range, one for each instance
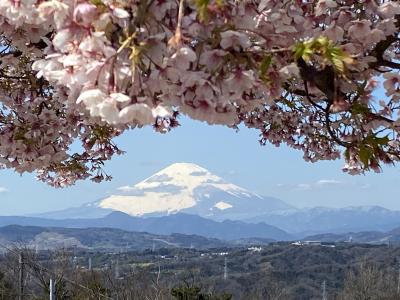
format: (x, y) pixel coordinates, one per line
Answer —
(370, 237)
(111, 239)
(177, 223)
(334, 220)
(188, 199)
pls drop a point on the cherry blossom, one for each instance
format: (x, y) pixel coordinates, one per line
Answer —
(302, 73)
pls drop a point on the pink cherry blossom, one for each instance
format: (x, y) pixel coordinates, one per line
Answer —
(391, 83)
(301, 73)
(233, 39)
(85, 13)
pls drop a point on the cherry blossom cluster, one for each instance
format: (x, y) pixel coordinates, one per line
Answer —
(303, 73)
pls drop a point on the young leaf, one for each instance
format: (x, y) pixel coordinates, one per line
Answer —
(265, 63)
(202, 8)
(365, 155)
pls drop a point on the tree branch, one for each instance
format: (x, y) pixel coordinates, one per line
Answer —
(390, 64)
(329, 128)
(379, 51)
(309, 98)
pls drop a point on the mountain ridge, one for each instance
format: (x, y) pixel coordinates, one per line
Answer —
(334, 220)
(177, 223)
(52, 238)
(370, 237)
(187, 188)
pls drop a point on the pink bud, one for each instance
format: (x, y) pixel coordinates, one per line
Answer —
(85, 13)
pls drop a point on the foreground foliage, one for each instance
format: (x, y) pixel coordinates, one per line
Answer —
(303, 73)
(277, 272)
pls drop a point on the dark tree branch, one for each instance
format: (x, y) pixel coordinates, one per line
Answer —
(309, 98)
(329, 128)
(15, 53)
(380, 49)
(389, 64)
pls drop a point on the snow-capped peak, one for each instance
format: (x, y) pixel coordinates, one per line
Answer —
(170, 190)
(183, 187)
(183, 168)
(188, 176)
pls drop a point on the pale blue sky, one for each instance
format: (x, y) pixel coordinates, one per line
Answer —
(235, 156)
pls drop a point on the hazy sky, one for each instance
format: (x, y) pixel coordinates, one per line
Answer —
(235, 156)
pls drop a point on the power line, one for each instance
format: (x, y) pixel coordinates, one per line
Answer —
(54, 274)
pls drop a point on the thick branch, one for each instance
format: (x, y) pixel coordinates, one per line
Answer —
(379, 51)
(309, 98)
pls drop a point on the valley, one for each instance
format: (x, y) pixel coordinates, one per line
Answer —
(278, 271)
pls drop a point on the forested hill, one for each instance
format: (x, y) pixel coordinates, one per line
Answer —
(99, 239)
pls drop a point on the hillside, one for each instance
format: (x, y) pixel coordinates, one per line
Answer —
(99, 239)
(176, 223)
(371, 237)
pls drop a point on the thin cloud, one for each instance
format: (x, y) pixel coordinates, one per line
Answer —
(3, 189)
(322, 184)
(303, 186)
(326, 182)
(125, 188)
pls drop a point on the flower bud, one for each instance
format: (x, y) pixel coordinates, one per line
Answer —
(85, 13)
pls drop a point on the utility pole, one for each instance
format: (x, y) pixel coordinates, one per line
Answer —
(324, 296)
(225, 269)
(133, 269)
(398, 281)
(52, 289)
(90, 264)
(74, 262)
(117, 269)
(21, 276)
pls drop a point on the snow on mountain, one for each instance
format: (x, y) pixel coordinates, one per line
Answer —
(189, 188)
(222, 205)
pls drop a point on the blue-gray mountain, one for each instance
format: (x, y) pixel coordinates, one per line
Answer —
(295, 224)
(370, 237)
(51, 238)
(177, 223)
(190, 189)
(333, 220)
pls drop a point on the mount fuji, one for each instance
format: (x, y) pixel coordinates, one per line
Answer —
(181, 188)
(186, 198)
